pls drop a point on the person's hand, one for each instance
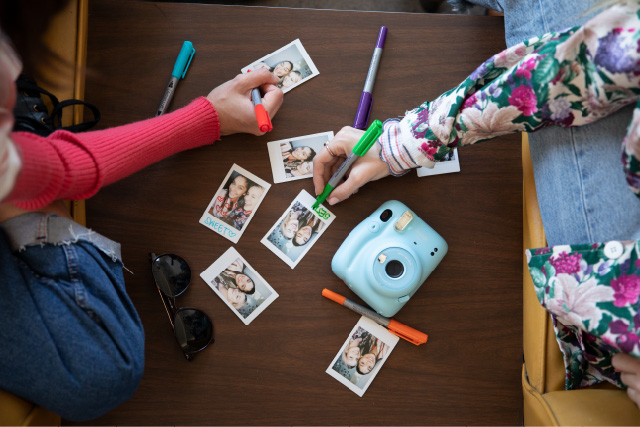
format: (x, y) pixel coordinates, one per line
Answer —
(629, 368)
(232, 101)
(368, 168)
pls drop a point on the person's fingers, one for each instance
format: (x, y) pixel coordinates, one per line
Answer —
(272, 100)
(634, 396)
(630, 380)
(254, 79)
(323, 167)
(343, 191)
(625, 363)
(325, 163)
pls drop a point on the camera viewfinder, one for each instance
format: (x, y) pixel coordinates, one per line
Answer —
(385, 215)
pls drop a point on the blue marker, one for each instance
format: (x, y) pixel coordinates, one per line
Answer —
(179, 70)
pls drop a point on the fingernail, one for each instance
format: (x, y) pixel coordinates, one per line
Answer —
(333, 200)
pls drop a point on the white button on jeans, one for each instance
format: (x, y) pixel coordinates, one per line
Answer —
(613, 249)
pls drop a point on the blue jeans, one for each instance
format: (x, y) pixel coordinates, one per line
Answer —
(71, 340)
(581, 189)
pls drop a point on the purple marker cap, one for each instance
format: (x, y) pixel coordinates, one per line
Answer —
(382, 37)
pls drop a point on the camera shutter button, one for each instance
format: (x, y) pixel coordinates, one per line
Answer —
(403, 299)
(374, 227)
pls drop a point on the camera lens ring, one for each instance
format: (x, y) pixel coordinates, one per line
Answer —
(404, 284)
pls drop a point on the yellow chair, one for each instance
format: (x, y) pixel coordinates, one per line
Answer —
(66, 38)
(546, 402)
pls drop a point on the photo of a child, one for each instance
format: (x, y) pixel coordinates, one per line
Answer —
(234, 203)
(239, 285)
(367, 348)
(290, 64)
(292, 159)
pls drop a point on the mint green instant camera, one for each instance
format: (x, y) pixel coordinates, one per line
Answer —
(388, 256)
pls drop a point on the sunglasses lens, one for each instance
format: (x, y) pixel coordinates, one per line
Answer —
(193, 329)
(172, 274)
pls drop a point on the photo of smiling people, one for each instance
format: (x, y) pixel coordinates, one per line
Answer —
(291, 64)
(297, 230)
(233, 205)
(241, 288)
(362, 355)
(292, 159)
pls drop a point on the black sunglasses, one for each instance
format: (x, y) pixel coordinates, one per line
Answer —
(193, 328)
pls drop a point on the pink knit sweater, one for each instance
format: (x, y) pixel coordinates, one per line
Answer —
(65, 165)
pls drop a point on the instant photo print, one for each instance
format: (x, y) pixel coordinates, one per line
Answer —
(235, 203)
(297, 230)
(361, 357)
(450, 164)
(241, 288)
(292, 159)
(291, 64)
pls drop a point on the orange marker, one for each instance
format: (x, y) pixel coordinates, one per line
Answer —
(403, 331)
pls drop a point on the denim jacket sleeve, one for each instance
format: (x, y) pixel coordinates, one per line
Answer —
(568, 78)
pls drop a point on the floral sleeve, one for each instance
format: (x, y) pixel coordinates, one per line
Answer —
(592, 292)
(568, 78)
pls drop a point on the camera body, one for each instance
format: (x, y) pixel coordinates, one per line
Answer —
(388, 256)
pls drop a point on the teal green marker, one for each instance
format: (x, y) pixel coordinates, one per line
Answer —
(368, 139)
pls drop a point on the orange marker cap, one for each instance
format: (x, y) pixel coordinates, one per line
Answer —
(407, 332)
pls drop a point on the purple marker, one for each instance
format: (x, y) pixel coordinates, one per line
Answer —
(366, 100)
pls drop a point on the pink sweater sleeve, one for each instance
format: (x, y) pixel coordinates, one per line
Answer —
(65, 165)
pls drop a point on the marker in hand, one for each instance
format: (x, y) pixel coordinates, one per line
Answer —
(262, 115)
(368, 139)
(264, 121)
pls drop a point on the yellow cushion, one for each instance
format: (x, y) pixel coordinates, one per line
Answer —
(15, 411)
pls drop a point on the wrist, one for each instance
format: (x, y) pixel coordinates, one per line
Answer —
(392, 149)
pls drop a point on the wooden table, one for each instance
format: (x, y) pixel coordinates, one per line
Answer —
(273, 371)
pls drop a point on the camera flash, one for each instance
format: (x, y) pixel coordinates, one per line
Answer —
(404, 220)
(382, 258)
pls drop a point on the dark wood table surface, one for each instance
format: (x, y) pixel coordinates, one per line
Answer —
(273, 370)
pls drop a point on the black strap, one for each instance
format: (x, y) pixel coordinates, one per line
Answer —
(56, 114)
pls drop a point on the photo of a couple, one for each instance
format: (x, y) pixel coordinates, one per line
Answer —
(363, 352)
(235, 203)
(236, 200)
(290, 64)
(297, 230)
(239, 285)
(292, 158)
(366, 349)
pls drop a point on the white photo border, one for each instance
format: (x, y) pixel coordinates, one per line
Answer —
(221, 227)
(223, 262)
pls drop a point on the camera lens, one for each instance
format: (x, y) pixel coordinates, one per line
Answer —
(394, 269)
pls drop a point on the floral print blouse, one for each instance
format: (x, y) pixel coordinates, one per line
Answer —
(568, 78)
